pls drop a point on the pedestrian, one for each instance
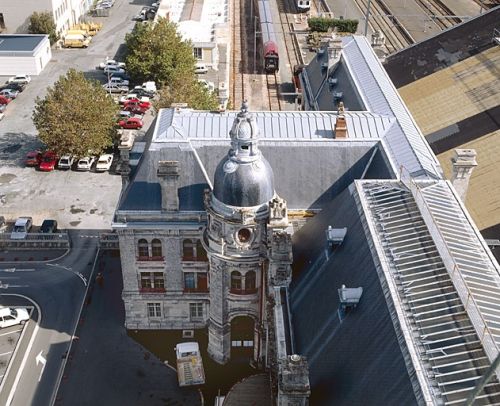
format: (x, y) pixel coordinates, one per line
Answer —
(100, 279)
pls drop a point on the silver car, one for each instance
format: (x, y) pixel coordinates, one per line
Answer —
(10, 93)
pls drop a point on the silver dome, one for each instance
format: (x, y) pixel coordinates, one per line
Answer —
(244, 178)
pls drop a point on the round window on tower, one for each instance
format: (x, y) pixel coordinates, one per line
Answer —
(244, 235)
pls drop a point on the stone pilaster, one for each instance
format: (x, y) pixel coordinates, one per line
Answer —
(168, 174)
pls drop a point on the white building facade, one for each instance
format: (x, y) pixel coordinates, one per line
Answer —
(15, 19)
(24, 54)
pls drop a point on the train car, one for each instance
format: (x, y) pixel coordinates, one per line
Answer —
(270, 47)
(303, 5)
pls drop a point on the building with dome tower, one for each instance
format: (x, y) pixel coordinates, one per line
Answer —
(325, 246)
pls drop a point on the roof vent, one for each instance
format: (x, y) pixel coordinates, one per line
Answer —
(324, 65)
(332, 81)
(349, 297)
(321, 51)
(335, 236)
(338, 96)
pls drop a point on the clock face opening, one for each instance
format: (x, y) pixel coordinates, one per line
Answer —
(244, 235)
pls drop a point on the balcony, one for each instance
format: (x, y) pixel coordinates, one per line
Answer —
(142, 258)
(152, 290)
(243, 291)
(195, 290)
(187, 258)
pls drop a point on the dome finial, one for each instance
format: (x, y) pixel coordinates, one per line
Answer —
(244, 108)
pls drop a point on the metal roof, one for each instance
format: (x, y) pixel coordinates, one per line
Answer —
(405, 142)
(186, 125)
(23, 43)
(447, 351)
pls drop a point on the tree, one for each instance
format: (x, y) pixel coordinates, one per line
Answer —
(43, 23)
(192, 92)
(157, 52)
(76, 116)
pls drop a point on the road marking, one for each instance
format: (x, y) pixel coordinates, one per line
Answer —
(12, 332)
(60, 266)
(84, 280)
(18, 270)
(28, 349)
(5, 353)
(41, 360)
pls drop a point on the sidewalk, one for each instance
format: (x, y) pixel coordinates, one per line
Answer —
(106, 366)
(30, 255)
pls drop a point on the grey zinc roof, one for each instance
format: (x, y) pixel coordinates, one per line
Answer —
(356, 361)
(189, 125)
(22, 43)
(444, 298)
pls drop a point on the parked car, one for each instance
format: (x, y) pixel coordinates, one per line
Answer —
(49, 161)
(1, 114)
(111, 62)
(66, 162)
(85, 163)
(135, 108)
(200, 67)
(132, 123)
(13, 316)
(118, 81)
(22, 226)
(33, 158)
(14, 86)
(122, 75)
(10, 93)
(114, 88)
(137, 102)
(48, 226)
(124, 114)
(133, 97)
(113, 69)
(2, 107)
(104, 163)
(19, 79)
(4, 100)
(141, 92)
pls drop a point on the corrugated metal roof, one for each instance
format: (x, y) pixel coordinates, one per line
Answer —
(448, 352)
(406, 143)
(186, 125)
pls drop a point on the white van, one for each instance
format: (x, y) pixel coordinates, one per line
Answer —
(200, 67)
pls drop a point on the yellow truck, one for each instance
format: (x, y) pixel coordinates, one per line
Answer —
(76, 41)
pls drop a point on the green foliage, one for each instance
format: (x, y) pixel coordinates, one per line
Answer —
(43, 23)
(321, 24)
(76, 116)
(195, 94)
(157, 52)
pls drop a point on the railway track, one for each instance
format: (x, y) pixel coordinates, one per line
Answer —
(273, 92)
(381, 18)
(238, 48)
(436, 10)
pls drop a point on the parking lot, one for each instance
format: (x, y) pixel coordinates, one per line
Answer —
(75, 199)
(9, 338)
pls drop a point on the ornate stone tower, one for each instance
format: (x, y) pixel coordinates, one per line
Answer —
(236, 237)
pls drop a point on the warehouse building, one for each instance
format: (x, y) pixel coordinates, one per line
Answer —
(24, 54)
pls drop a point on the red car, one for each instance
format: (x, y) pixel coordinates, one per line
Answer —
(49, 161)
(135, 109)
(132, 123)
(137, 102)
(4, 100)
(33, 158)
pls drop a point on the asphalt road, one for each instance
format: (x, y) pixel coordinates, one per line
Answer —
(58, 288)
(77, 200)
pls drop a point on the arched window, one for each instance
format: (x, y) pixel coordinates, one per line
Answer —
(235, 282)
(187, 249)
(250, 282)
(156, 249)
(201, 254)
(143, 248)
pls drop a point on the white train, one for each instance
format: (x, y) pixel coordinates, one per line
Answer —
(303, 5)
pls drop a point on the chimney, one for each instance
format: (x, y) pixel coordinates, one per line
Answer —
(341, 124)
(168, 173)
(334, 49)
(464, 163)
